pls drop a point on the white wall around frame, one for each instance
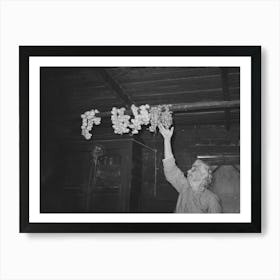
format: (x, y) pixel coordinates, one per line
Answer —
(139, 256)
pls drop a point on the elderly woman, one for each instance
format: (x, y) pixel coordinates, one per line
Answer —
(194, 195)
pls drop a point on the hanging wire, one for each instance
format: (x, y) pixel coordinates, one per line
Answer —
(155, 164)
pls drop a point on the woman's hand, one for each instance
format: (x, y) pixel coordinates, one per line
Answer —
(166, 133)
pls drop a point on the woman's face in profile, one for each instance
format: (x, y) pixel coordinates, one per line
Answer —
(197, 174)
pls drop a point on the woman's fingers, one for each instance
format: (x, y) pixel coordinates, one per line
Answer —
(164, 131)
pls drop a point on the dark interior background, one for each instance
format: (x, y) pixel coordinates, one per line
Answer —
(66, 157)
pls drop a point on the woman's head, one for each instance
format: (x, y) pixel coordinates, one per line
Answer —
(200, 175)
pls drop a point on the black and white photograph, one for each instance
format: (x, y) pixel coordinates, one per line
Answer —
(141, 139)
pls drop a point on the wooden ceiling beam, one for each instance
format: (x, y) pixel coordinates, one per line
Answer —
(114, 85)
(192, 107)
(184, 115)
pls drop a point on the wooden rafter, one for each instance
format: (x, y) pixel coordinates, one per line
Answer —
(114, 85)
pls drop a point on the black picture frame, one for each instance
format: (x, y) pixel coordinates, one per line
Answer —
(254, 52)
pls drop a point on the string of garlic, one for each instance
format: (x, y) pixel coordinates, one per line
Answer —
(88, 120)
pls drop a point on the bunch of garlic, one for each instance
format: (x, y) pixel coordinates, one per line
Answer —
(160, 114)
(141, 117)
(154, 118)
(120, 121)
(166, 116)
(88, 120)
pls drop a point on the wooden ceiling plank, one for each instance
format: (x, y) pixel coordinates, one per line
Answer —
(185, 97)
(137, 74)
(166, 80)
(170, 85)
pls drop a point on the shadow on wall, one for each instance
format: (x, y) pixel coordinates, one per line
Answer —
(227, 187)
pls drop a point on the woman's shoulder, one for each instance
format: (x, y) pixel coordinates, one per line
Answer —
(211, 195)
